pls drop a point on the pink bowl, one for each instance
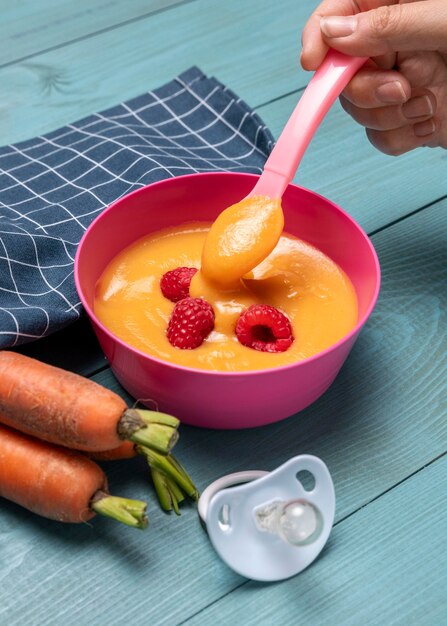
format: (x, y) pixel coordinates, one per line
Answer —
(216, 399)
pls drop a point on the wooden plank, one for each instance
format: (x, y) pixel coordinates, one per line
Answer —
(382, 420)
(385, 565)
(28, 27)
(342, 165)
(231, 40)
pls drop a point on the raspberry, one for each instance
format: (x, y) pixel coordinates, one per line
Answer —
(191, 322)
(175, 284)
(264, 328)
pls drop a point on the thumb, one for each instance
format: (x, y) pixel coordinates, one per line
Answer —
(397, 28)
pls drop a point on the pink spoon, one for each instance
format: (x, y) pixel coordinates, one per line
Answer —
(325, 86)
(247, 232)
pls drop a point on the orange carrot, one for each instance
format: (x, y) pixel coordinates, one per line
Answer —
(170, 479)
(73, 411)
(59, 484)
(126, 450)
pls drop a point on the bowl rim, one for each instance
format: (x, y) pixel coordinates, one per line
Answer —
(246, 373)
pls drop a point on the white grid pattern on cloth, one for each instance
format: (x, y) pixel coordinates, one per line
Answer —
(52, 187)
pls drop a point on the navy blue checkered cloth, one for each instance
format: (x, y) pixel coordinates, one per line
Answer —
(52, 187)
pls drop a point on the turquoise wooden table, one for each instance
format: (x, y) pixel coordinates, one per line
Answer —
(381, 428)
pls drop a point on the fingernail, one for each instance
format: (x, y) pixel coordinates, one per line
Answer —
(338, 26)
(424, 128)
(391, 93)
(417, 107)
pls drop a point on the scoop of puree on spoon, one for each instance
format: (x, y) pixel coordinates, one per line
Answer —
(245, 233)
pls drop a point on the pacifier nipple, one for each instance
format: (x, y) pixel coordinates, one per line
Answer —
(297, 522)
(266, 525)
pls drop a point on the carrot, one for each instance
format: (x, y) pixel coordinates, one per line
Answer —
(67, 409)
(126, 450)
(59, 484)
(170, 479)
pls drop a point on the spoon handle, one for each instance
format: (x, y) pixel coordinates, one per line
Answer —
(325, 86)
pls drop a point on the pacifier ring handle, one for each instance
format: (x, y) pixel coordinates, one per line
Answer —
(230, 480)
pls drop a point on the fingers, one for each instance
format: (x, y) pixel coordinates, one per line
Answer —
(397, 110)
(400, 140)
(418, 109)
(372, 87)
(396, 128)
(314, 47)
(400, 27)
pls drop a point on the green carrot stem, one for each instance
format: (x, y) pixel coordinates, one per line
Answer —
(156, 437)
(156, 431)
(177, 493)
(130, 512)
(169, 466)
(161, 489)
(169, 495)
(176, 463)
(154, 417)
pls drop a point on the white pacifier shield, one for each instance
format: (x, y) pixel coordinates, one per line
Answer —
(230, 517)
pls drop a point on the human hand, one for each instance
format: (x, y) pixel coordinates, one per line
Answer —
(400, 95)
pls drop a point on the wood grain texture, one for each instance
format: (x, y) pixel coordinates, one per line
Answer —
(52, 89)
(380, 424)
(377, 568)
(381, 421)
(29, 27)
(231, 40)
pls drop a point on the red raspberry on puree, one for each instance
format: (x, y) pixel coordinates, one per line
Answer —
(191, 322)
(174, 285)
(264, 328)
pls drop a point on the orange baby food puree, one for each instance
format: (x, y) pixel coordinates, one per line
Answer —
(296, 278)
(240, 238)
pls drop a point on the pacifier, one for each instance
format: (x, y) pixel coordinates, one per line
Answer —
(266, 525)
